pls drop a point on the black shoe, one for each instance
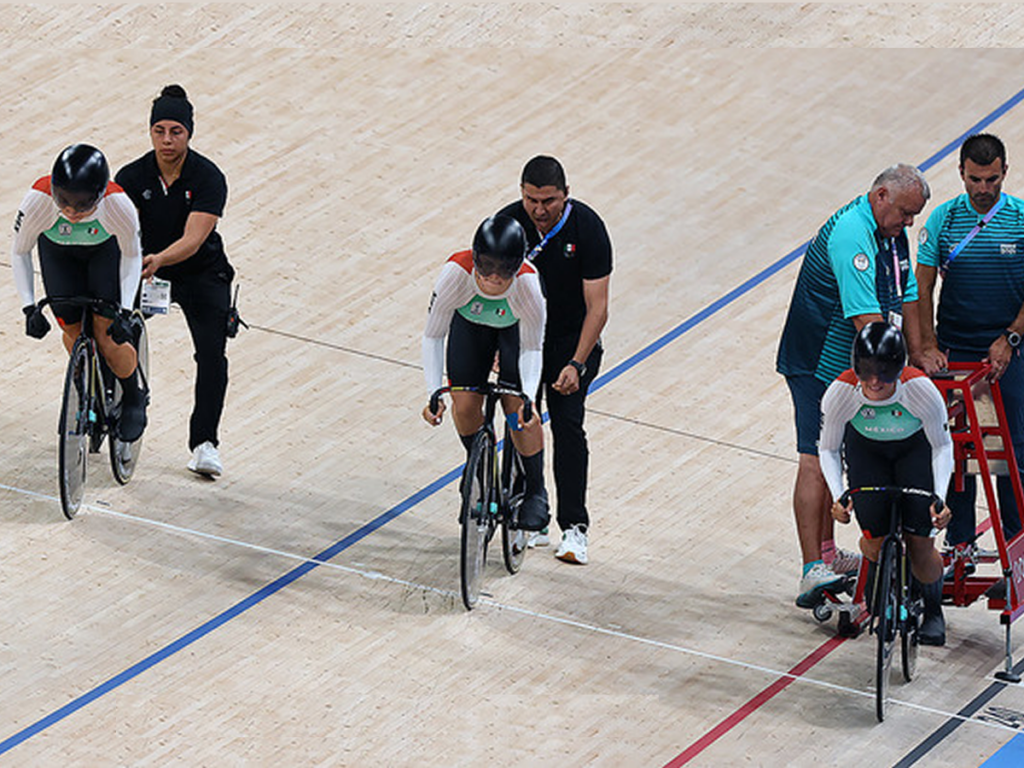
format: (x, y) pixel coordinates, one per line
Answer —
(132, 422)
(933, 630)
(533, 512)
(933, 625)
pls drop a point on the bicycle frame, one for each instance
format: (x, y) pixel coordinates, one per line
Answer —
(481, 515)
(903, 615)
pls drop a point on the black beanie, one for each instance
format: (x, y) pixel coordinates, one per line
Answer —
(172, 104)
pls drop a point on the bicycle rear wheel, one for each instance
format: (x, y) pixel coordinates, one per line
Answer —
(887, 608)
(124, 456)
(475, 516)
(513, 483)
(913, 609)
(73, 430)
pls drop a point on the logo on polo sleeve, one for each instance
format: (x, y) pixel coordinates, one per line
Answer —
(861, 262)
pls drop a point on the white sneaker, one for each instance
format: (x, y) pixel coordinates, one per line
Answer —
(537, 538)
(845, 562)
(819, 576)
(573, 548)
(206, 460)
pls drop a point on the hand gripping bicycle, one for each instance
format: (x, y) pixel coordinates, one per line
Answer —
(896, 606)
(91, 405)
(492, 490)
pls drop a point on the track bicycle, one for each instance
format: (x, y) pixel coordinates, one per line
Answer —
(91, 405)
(492, 489)
(897, 607)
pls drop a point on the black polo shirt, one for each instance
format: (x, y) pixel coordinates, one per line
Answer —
(162, 211)
(580, 251)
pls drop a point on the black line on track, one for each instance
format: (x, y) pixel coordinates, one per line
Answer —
(684, 433)
(338, 347)
(953, 723)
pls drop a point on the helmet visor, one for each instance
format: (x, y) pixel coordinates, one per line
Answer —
(488, 266)
(79, 202)
(884, 369)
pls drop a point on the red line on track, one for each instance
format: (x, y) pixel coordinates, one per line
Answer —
(768, 693)
(755, 703)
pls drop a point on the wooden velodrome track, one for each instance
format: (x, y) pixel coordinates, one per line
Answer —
(303, 609)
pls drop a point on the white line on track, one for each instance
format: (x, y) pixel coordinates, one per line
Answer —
(564, 621)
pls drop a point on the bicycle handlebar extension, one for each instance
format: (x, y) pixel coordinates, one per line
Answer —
(844, 499)
(487, 389)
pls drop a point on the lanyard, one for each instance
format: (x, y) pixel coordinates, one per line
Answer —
(897, 273)
(977, 228)
(554, 231)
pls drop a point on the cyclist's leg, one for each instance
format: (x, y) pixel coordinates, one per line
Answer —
(104, 282)
(470, 354)
(868, 465)
(65, 273)
(914, 470)
(528, 438)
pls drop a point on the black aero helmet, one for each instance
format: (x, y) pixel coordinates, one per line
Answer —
(879, 350)
(499, 246)
(79, 178)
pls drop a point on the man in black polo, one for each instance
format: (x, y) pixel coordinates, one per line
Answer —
(570, 247)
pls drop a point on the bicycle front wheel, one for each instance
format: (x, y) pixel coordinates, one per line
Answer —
(513, 484)
(887, 608)
(125, 456)
(73, 431)
(475, 516)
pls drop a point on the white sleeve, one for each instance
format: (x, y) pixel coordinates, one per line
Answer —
(36, 214)
(833, 425)
(450, 292)
(527, 304)
(120, 219)
(928, 405)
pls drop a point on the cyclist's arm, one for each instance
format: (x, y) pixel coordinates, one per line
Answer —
(833, 424)
(931, 409)
(531, 310)
(122, 221)
(35, 215)
(450, 289)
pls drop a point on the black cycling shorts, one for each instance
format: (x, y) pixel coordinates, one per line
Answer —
(93, 271)
(898, 463)
(471, 350)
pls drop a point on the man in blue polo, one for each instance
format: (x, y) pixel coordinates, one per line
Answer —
(976, 242)
(856, 271)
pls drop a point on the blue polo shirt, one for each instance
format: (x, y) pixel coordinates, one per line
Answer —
(848, 270)
(983, 287)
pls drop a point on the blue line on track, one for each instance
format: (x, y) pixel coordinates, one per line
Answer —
(276, 586)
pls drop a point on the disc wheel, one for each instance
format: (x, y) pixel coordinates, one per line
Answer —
(73, 432)
(513, 481)
(886, 605)
(474, 516)
(125, 456)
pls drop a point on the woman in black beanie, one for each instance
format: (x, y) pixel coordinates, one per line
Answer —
(180, 196)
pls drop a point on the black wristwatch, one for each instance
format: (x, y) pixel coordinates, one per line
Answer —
(1013, 338)
(581, 369)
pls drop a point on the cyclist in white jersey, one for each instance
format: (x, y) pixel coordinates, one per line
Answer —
(893, 426)
(489, 302)
(86, 232)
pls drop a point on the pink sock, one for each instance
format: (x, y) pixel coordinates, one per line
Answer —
(828, 551)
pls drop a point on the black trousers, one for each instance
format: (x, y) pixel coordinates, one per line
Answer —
(566, 415)
(205, 299)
